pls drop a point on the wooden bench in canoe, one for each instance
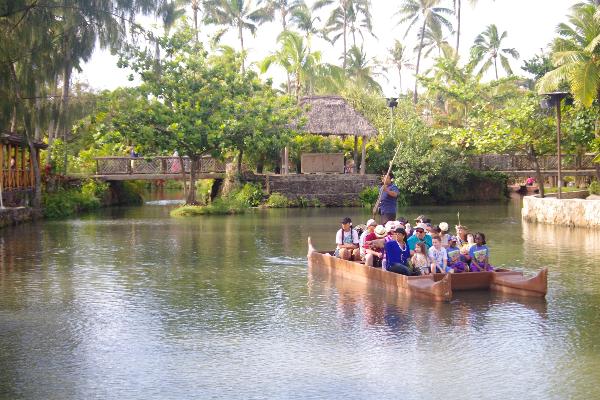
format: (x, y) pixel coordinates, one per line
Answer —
(438, 287)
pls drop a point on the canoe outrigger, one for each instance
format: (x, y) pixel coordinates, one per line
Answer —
(438, 287)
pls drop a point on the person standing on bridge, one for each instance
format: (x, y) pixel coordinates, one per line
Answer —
(388, 193)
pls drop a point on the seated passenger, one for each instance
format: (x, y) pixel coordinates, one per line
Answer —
(370, 227)
(374, 247)
(443, 233)
(438, 256)
(454, 261)
(346, 240)
(418, 237)
(397, 253)
(480, 255)
(420, 259)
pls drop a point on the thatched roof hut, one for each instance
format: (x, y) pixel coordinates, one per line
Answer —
(332, 115)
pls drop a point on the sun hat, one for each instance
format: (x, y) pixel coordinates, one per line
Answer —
(443, 226)
(371, 222)
(380, 231)
(346, 220)
(390, 226)
(421, 226)
(452, 238)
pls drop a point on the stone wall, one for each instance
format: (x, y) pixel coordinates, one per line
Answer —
(330, 189)
(565, 212)
(14, 216)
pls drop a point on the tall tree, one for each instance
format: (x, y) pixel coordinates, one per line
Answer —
(435, 40)
(458, 12)
(427, 13)
(299, 63)
(399, 58)
(285, 8)
(305, 21)
(361, 70)
(348, 16)
(576, 55)
(488, 47)
(237, 14)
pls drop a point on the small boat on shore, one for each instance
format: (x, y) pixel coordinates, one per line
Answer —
(437, 287)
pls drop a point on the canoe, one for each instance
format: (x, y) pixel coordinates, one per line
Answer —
(437, 287)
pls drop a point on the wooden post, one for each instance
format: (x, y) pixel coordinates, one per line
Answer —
(363, 156)
(31, 174)
(2, 165)
(559, 192)
(16, 171)
(286, 167)
(355, 158)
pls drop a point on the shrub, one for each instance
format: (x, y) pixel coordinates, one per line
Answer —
(594, 188)
(218, 207)
(250, 195)
(66, 202)
(368, 196)
(277, 200)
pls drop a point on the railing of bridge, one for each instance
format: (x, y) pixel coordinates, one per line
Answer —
(522, 162)
(154, 165)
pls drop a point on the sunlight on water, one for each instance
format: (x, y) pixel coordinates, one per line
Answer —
(129, 303)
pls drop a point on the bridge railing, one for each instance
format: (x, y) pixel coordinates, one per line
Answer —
(154, 165)
(522, 162)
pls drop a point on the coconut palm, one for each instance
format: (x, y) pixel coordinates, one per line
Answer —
(305, 21)
(297, 60)
(344, 19)
(237, 14)
(435, 40)
(576, 55)
(399, 58)
(457, 12)
(361, 70)
(284, 7)
(488, 48)
(427, 13)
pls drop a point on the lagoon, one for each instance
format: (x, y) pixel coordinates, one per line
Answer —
(131, 303)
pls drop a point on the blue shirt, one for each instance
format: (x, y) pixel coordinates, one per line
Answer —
(395, 255)
(413, 240)
(388, 204)
(477, 252)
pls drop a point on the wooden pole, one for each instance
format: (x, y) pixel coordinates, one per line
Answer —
(363, 158)
(559, 184)
(23, 169)
(355, 158)
(2, 165)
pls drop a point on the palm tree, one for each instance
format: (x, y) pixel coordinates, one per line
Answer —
(344, 19)
(297, 60)
(361, 70)
(284, 7)
(576, 56)
(399, 58)
(457, 12)
(488, 44)
(435, 40)
(237, 14)
(303, 17)
(427, 13)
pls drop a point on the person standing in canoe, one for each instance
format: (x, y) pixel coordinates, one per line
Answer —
(388, 195)
(347, 241)
(480, 255)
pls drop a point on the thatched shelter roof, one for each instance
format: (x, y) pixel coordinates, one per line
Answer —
(18, 140)
(332, 115)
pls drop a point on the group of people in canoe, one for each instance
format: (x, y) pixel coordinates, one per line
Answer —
(396, 246)
(420, 250)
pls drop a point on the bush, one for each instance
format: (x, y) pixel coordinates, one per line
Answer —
(250, 195)
(594, 188)
(225, 206)
(277, 200)
(368, 196)
(67, 202)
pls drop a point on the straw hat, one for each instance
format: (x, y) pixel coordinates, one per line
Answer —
(380, 231)
(443, 226)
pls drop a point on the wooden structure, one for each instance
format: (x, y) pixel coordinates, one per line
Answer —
(313, 163)
(16, 164)
(332, 115)
(437, 287)
(153, 168)
(521, 165)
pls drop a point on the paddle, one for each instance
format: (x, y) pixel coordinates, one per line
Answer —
(386, 175)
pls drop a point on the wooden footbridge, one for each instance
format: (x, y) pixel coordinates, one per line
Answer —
(156, 168)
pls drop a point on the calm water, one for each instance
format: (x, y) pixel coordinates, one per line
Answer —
(131, 304)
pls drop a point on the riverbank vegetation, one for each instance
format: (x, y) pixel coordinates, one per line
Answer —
(198, 97)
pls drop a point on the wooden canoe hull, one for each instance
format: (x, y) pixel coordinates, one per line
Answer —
(438, 287)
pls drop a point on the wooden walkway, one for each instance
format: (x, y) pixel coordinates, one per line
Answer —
(155, 168)
(521, 165)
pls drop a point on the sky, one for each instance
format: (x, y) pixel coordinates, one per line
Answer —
(530, 25)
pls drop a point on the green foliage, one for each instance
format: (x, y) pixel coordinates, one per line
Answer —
(277, 200)
(67, 202)
(225, 206)
(172, 184)
(368, 196)
(594, 187)
(250, 195)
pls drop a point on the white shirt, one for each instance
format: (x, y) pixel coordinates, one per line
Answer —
(339, 238)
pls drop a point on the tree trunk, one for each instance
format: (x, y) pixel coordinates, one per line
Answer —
(400, 78)
(195, 8)
(183, 177)
(241, 36)
(64, 100)
(191, 196)
(415, 95)
(345, 49)
(458, 9)
(496, 67)
(13, 120)
(538, 172)
(239, 162)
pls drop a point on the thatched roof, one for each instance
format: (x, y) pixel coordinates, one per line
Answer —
(332, 115)
(18, 140)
